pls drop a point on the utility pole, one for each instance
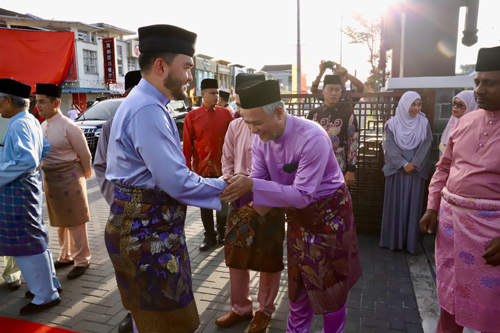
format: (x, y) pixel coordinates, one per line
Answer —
(299, 72)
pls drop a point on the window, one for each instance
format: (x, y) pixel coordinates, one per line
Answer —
(131, 64)
(90, 61)
(119, 58)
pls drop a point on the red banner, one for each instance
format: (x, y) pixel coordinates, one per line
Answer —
(108, 45)
(35, 57)
(72, 72)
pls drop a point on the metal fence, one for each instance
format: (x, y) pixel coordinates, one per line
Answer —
(372, 111)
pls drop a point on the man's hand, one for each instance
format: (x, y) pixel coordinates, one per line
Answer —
(339, 70)
(428, 221)
(248, 211)
(226, 178)
(410, 168)
(349, 178)
(492, 254)
(322, 67)
(238, 185)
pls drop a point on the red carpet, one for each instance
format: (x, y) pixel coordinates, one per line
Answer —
(9, 325)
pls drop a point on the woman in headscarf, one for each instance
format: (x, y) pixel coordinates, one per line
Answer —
(407, 144)
(462, 104)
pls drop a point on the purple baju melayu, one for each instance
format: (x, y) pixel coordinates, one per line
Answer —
(299, 171)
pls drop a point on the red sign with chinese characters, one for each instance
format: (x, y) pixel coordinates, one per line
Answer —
(108, 45)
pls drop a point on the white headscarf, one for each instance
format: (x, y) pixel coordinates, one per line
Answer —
(408, 131)
(467, 97)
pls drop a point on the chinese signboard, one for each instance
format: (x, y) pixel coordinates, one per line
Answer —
(109, 60)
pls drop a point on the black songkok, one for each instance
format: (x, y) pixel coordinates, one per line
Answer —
(257, 94)
(209, 83)
(166, 38)
(14, 88)
(247, 77)
(331, 79)
(488, 59)
(132, 79)
(224, 94)
(48, 89)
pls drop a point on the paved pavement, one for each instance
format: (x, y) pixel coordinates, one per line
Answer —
(382, 301)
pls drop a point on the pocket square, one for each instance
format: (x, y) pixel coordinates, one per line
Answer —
(289, 168)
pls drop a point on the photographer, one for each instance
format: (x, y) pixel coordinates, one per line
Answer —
(337, 70)
(338, 119)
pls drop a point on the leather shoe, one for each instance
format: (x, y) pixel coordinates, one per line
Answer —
(126, 324)
(259, 322)
(77, 271)
(58, 264)
(33, 308)
(207, 243)
(231, 318)
(220, 238)
(14, 285)
(29, 294)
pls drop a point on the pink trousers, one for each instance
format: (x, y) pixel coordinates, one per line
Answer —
(74, 245)
(241, 302)
(301, 316)
(447, 324)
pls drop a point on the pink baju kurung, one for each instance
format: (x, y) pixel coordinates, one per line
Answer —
(466, 191)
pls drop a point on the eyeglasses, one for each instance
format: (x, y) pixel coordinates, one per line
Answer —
(457, 104)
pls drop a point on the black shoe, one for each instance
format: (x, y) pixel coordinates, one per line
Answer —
(126, 324)
(33, 308)
(208, 242)
(58, 264)
(30, 295)
(220, 238)
(14, 285)
(77, 271)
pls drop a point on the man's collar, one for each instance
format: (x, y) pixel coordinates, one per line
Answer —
(146, 85)
(20, 115)
(288, 130)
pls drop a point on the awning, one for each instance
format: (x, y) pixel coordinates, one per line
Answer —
(77, 90)
(35, 57)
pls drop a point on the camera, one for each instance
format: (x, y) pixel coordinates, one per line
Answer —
(329, 64)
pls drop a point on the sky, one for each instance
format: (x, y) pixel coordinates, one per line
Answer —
(257, 32)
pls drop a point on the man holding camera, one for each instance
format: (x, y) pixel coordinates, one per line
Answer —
(338, 119)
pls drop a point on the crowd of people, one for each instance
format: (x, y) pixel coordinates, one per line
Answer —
(271, 178)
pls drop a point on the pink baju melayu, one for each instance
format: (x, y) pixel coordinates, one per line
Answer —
(466, 191)
(237, 160)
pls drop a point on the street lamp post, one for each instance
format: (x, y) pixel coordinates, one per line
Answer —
(298, 49)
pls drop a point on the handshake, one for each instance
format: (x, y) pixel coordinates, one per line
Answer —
(237, 186)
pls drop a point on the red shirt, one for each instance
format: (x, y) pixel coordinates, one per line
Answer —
(204, 132)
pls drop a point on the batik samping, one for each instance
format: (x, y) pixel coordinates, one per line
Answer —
(146, 242)
(255, 243)
(466, 287)
(323, 254)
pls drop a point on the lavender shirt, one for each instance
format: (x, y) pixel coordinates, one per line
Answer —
(317, 175)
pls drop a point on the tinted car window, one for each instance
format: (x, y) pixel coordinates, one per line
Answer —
(102, 111)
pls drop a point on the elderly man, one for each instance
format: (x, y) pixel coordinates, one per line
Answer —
(252, 242)
(293, 166)
(203, 135)
(145, 231)
(341, 125)
(465, 190)
(23, 234)
(66, 169)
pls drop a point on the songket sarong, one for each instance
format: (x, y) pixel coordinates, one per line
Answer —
(466, 287)
(146, 243)
(22, 231)
(323, 253)
(66, 194)
(255, 243)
